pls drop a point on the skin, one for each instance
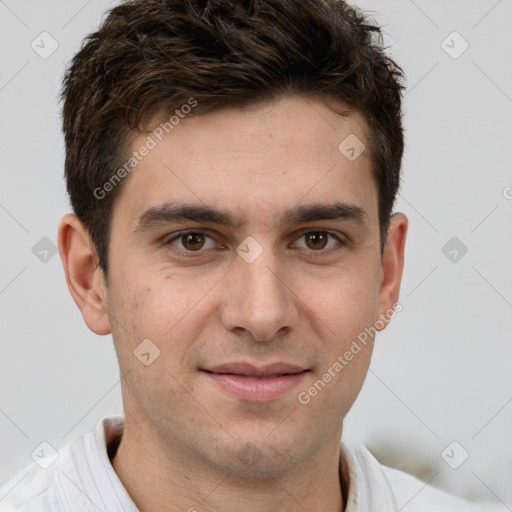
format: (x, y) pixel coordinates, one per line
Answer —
(299, 302)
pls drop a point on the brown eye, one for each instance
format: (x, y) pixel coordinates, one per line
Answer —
(316, 239)
(319, 241)
(192, 241)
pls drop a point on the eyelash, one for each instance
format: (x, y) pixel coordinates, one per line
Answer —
(198, 253)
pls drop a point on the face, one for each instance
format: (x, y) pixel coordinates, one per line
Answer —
(245, 246)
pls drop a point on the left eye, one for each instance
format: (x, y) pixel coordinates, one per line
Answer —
(318, 240)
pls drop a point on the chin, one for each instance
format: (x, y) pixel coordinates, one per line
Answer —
(257, 457)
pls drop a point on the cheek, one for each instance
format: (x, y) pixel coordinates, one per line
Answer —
(170, 310)
(345, 304)
(156, 325)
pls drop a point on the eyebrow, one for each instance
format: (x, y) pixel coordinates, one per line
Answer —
(179, 212)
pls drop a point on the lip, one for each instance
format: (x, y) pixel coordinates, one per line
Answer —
(257, 383)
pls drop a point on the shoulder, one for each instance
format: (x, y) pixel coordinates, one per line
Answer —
(77, 477)
(57, 480)
(378, 482)
(37, 487)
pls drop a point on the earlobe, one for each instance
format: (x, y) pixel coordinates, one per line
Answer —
(84, 277)
(392, 267)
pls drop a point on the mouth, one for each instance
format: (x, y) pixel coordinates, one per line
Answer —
(256, 383)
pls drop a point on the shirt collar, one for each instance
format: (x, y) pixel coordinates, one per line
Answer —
(110, 430)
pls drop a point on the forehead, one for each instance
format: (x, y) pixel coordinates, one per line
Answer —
(256, 161)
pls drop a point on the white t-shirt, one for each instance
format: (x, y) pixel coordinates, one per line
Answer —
(82, 479)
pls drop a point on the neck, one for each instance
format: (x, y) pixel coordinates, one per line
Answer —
(161, 477)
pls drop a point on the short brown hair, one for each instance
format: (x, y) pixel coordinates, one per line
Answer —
(149, 57)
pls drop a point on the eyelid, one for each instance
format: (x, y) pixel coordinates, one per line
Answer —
(334, 234)
(176, 236)
(338, 237)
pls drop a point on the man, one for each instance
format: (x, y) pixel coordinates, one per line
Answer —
(232, 167)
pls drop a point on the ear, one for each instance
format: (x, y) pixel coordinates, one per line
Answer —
(84, 276)
(392, 267)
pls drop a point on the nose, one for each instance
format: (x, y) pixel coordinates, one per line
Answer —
(259, 299)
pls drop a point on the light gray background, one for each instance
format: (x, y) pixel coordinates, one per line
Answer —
(441, 372)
